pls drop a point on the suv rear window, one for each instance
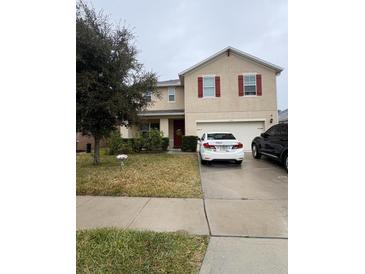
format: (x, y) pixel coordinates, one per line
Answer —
(220, 136)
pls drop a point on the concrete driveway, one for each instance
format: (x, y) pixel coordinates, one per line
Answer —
(248, 200)
(262, 179)
(247, 213)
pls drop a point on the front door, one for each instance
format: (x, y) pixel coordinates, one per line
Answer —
(179, 131)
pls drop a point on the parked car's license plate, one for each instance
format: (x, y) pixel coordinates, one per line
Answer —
(223, 148)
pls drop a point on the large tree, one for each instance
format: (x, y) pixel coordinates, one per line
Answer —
(110, 82)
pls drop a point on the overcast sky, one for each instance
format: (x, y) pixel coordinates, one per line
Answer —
(174, 35)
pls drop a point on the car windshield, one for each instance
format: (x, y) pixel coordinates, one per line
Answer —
(220, 136)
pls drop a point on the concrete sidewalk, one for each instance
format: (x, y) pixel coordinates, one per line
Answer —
(245, 255)
(156, 214)
(247, 218)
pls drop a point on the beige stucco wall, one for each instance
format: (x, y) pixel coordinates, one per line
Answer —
(163, 103)
(229, 105)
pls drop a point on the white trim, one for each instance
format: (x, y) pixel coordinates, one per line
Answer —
(232, 120)
(161, 114)
(249, 73)
(162, 84)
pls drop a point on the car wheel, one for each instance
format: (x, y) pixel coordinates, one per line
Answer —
(255, 152)
(238, 162)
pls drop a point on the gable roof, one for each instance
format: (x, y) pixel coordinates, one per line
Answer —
(276, 68)
(169, 83)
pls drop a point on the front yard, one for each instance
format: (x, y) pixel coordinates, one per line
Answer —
(125, 251)
(144, 175)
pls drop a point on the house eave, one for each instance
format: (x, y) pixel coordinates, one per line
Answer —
(170, 83)
(161, 113)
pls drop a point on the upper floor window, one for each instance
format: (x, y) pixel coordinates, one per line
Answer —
(250, 84)
(172, 94)
(148, 96)
(208, 86)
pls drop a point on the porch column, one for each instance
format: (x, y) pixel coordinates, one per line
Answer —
(124, 131)
(164, 126)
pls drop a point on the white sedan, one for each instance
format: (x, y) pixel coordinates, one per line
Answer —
(220, 146)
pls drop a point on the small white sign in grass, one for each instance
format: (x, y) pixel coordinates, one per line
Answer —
(122, 158)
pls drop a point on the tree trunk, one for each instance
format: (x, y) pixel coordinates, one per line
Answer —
(97, 151)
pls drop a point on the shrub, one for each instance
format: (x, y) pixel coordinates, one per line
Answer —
(152, 140)
(165, 143)
(189, 143)
(137, 144)
(126, 147)
(114, 143)
(149, 141)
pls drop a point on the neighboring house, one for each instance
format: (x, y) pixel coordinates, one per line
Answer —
(229, 91)
(86, 142)
(283, 116)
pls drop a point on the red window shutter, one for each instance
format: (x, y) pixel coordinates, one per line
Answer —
(240, 85)
(217, 86)
(200, 87)
(259, 84)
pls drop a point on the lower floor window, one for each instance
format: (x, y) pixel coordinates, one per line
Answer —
(155, 126)
(145, 127)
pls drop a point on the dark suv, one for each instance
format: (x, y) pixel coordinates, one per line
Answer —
(272, 143)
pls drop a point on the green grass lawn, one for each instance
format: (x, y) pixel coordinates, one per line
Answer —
(126, 251)
(147, 175)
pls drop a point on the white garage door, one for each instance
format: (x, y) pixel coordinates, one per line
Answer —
(245, 132)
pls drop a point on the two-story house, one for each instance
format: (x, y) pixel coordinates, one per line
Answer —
(229, 91)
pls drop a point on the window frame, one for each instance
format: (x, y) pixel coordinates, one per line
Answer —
(174, 94)
(148, 94)
(244, 84)
(214, 87)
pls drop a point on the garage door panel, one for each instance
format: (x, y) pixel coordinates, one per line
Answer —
(245, 132)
